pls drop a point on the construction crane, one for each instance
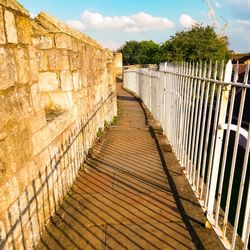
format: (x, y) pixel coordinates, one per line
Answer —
(218, 29)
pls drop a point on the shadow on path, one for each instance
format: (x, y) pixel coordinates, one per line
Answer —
(124, 197)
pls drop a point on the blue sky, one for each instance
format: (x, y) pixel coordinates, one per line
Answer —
(111, 22)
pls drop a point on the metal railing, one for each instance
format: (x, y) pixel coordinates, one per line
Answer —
(203, 109)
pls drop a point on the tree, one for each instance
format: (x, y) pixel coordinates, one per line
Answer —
(200, 43)
(129, 51)
(144, 52)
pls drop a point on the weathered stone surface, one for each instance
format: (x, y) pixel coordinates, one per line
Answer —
(2, 33)
(77, 80)
(8, 71)
(36, 97)
(37, 121)
(14, 5)
(54, 59)
(75, 45)
(43, 60)
(9, 192)
(63, 41)
(23, 67)
(64, 60)
(48, 81)
(62, 99)
(2, 230)
(15, 105)
(41, 70)
(10, 27)
(66, 81)
(84, 78)
(118, 64)
(23, 29)
(43, 42)
(33, 62)
(40, 140)
(3, 156)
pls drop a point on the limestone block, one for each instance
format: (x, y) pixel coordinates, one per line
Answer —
(84, 78)
(40, 140)
(37, 121)
(64, 60)
(15, 105)
(14, 214)
(2, 33)
(86, 63)
(36, 97)
(2, 230)
(62, 99)
(75, 45)
(42, 160)
(22, 62)
(88, 49)
(58, 125)
(9, 192)
(58, 60)
(45, 99)
(75, 60)
(63, 41)
(23, 29)
(43, 42)
(82, 47)
(23, 204)
(3, 156)
(66, 81)
(43, 60)
(8, 71)
(48, 81)
(14, 5)
(33, 58)
(54, 59)
(32, 229)
(77, 80)
(10, 27)
(18, 148)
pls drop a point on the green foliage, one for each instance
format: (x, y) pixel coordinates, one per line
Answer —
(100, 133)
(114, 120)
(144, 52)
(200, 43)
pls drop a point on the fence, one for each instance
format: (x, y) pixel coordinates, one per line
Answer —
(204, 111)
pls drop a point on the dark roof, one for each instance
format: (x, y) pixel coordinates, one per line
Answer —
(240, 57)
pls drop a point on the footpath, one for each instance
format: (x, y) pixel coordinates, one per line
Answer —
(131, 193)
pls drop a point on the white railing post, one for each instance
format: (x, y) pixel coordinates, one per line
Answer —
(218, 141)
(246, 224)
(150, 91)
(182, 106)
(164, 96)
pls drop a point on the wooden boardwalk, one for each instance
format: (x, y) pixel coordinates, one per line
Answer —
(123, 198)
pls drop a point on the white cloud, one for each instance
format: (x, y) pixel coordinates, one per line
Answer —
(243, 22)
(186, 21)
(76, 24)
(32, 15)
(217, 4)
(139, 22)
(111, 45)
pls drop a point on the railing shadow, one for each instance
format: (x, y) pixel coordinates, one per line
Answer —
(24, 222)
(118, 204)
(186, 219)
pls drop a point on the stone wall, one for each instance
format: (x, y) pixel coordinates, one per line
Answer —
(57, 88)
(118, 64)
